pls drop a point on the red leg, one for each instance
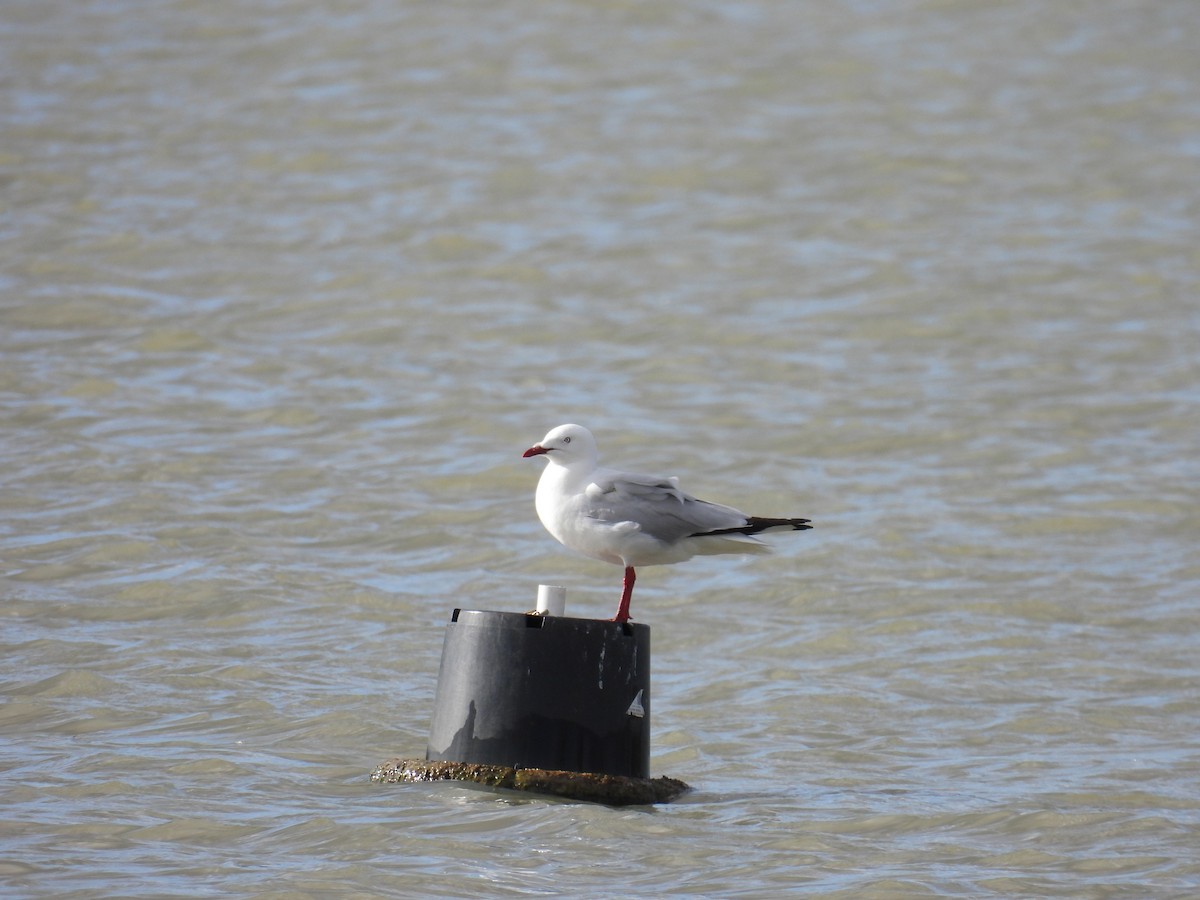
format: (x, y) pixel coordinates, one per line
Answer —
(626, 592)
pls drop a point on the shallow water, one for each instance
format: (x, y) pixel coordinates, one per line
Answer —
(286, 290)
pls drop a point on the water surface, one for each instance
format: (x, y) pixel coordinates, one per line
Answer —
(286, 289)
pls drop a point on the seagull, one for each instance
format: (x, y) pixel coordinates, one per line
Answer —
(634, 520)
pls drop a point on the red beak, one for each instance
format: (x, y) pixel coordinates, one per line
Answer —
(535, 450)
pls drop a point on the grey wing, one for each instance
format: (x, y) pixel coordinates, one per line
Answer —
(657, 505)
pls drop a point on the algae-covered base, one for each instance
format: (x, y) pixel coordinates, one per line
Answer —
(614, 790)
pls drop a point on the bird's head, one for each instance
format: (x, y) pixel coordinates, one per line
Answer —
(564, 445)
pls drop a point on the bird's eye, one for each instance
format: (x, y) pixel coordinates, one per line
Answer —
(566, 440)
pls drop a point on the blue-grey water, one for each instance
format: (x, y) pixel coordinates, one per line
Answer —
(286, 288)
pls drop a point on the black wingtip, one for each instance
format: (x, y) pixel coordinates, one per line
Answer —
(756, 524)
(759, 523)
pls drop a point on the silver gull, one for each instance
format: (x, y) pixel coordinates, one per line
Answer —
(634, 520)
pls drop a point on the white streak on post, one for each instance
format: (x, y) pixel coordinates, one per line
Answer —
(636, 708)
(551, 600)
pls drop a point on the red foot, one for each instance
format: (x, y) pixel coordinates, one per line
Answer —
(626, 592)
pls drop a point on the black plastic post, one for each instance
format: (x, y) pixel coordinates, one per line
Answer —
(543, 692)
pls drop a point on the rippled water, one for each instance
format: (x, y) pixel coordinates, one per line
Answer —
(287, 288)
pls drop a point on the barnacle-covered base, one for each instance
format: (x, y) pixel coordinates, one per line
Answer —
(613, 790)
